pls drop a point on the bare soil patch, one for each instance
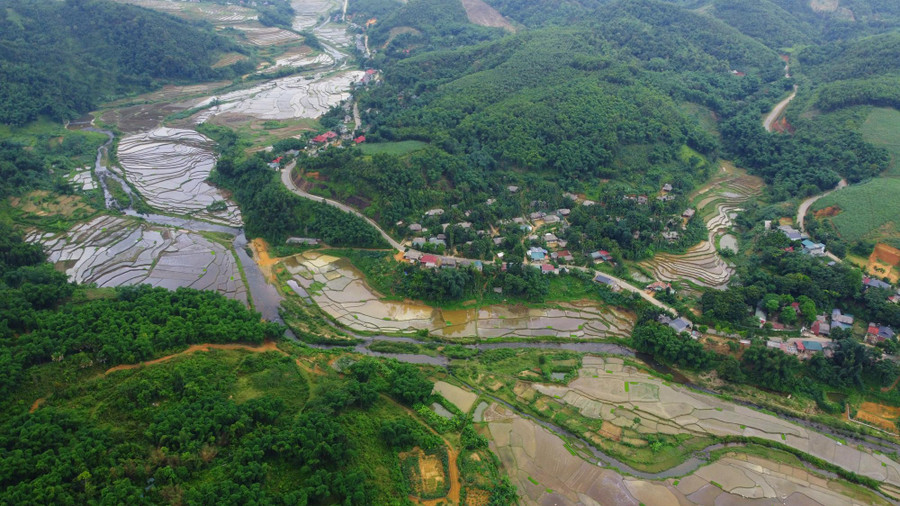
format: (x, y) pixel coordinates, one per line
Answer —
(229, 59)
(884, 262)
(483, 14)
(41, 203)
(427, 476)
(879, 415)
(266, 346)
(827, 212)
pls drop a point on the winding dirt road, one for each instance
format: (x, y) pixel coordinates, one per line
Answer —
(778, 110)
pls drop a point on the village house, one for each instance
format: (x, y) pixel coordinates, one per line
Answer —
(537, 254)
(587, 203)
(601, 256)
(434, 212)
(608, 281)
(490, 202)
(679, 324)
(807, 349)
(688, 213)
(512, 189)
(302, 240)
(550, 238)
(547, 269)
(667, 187)
(659, 286)
(430, 261)
(875, 283)
(552, 218)
(563, 255)
(415, 227)
(820, 328)
(670, 235)
(323, 138)
(642, 199)
(815, 249)
(437, 242)
(563, 212)
(876, 333)
(665, 198)
(413, 256)
(841, 321)
(536, 215)
(448, 263)
(792, 233)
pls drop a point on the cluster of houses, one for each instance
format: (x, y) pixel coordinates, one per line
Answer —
(809, 247)
(430, 261)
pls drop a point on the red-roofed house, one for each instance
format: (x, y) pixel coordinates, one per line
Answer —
(324, 137)
(430, 261)
(360, 139)
(277, 160)
(371, 71)
(547, 268)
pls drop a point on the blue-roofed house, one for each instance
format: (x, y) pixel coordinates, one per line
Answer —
(813, 248)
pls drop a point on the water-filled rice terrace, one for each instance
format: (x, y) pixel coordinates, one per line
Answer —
(169, 168)
(113, 251)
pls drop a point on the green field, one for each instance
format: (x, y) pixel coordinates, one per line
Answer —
(867, 211)
(392, 148)
(882, 128)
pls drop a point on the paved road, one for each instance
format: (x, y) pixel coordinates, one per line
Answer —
(777, 110)
(289, 184)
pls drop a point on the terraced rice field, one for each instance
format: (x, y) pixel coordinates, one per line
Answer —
(307, 12)
(299, 59)
(113, 251)
(287, 98)
(83, 179)
(259, 35)
(718, 203)
(169, 168)
(340, 290)
(545, 472)
(612, 393)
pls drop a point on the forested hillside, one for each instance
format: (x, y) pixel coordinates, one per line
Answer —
(60, 59)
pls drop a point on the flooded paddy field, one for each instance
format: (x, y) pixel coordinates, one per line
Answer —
(301, 56)
(169, 168)
(214, 13)
(308, 13)
(286, 98)
(259, 35)
(112, 251)
(546, 472)
(718, 203)
(619, 397)
(341, 291)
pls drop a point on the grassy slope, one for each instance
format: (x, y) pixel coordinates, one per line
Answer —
(882, 128)
(867, 210)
